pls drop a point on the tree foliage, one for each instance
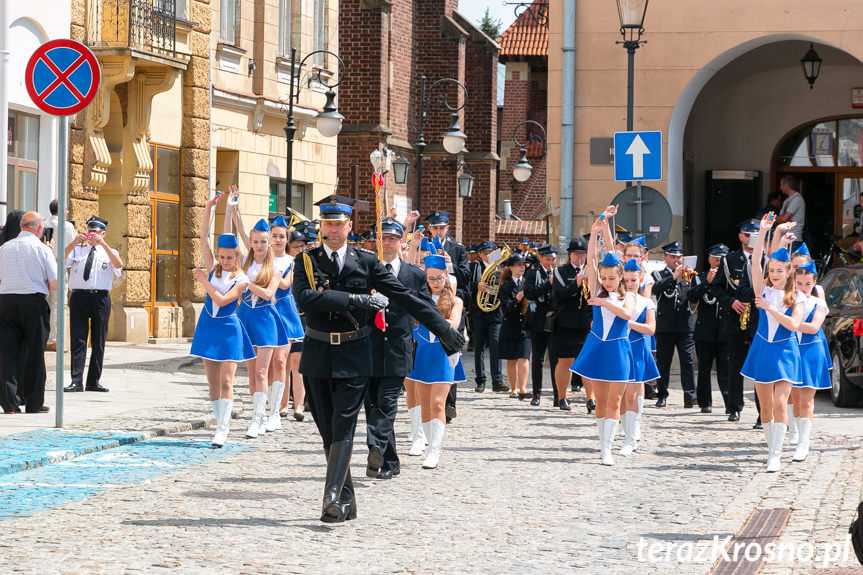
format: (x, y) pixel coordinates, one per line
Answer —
(489, 25)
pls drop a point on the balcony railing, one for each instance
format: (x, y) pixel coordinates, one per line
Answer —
(142, 24)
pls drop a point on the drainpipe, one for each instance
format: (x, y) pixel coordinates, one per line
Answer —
(567, 125)
(4, 104)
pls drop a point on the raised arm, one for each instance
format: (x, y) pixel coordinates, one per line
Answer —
(607, 236)
(757, 253)
(592, 260)
(780, 237)
(206, 247)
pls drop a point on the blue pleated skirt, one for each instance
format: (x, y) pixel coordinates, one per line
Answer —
(264, 325)
(605, 360)
(772, 361)
(287, 309)
(645, 365)
(221, 339)
(816, 365)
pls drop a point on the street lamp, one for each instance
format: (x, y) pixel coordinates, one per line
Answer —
(453, 139)
(400, 170)
(465, 185)
(811, 63)
(522, 169)
(329, 122)
(631, 13)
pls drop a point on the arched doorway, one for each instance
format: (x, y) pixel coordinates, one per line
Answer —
(827, 157)
(732, 116)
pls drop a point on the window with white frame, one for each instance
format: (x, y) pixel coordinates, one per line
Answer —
(321, 32)
(229, 25)
(285, 27)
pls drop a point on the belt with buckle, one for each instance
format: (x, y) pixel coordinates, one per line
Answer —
(89, 291)
(338, 337)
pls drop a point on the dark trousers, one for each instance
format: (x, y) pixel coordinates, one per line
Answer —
(738, 348)
(665, 345)
(382, 403)
(709, 352)
(453, 389)
(486, 334)
(88, 313)
(24, 328)
(335, 405)
(539, 341)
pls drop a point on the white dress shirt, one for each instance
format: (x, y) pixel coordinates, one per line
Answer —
(27, 265)
(396, 264)
(342, 251)
(102, 272)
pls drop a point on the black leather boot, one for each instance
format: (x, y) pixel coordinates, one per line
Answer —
(338, 465)
(348, 499)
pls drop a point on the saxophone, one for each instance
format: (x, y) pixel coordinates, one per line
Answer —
(744, 317)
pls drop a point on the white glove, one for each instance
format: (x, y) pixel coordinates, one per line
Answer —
(379, 301)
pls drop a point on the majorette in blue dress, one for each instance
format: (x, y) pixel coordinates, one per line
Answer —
(775, 352)
(219, 335)
(645, 365)
(814, 351)
(285, 303)
(262, 321)
(607, 354)
(431, 364)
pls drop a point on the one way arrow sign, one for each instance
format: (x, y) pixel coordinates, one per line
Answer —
(637, 156)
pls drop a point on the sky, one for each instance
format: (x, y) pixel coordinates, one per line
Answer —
(474, 9)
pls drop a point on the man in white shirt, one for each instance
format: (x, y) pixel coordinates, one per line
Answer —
(92, 264)
(793, 208)
(28, 272)
(52, 236)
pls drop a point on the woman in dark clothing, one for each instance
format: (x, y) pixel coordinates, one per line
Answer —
(514, 340)
(12, 227)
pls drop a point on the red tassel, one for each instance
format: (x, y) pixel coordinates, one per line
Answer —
(379, 321)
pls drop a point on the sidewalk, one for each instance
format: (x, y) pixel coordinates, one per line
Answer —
(154, 390)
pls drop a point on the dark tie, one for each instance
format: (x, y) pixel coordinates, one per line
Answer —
(336, 260)
(389, 267)
(89, 264)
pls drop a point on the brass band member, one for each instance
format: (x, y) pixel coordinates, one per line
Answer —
(514, 341)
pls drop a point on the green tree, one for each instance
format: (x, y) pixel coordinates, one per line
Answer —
(489, 25)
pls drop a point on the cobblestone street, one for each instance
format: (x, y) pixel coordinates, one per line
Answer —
(519, 490)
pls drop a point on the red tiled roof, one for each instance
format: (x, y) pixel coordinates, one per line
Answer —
(528, 35)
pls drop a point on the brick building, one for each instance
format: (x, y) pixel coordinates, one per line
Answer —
(524, 50)
(387, 47)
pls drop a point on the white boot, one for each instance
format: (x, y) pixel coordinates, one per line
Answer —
(777, 436)
(638, 418)
(804, 425)
(630, 444)
(609, 431)
(217, 411)
(274, 420)
(435, 440)
(792, 427)
(259, 411)
(600, 430)
(223, 424)
(417, 436)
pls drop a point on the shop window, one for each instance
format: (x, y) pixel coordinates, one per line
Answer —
(301, 198)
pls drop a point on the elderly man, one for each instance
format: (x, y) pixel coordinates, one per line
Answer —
(28, 271)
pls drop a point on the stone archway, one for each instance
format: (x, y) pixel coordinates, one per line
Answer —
(736, 108)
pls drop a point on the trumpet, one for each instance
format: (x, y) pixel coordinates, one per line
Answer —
(687, 274)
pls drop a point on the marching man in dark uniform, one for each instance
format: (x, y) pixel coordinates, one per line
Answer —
(92, 264)
(537, 288)
(333, 286)
(574, 315)
(485, 326)
(674, 324)
(456, 264)
(732, 288)
(392, 356)
(711, 341)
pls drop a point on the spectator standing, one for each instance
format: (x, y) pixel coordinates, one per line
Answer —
(28, 272)
(793, 208)
(70, 234)
(93, 265)
(774, 204)
(12, 227)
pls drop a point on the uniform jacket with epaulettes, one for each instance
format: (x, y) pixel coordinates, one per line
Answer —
(325, 305)
(732, 282)
(672, 303)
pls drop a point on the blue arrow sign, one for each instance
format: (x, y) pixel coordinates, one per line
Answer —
(637, 156)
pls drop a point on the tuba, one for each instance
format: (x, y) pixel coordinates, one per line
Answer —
(488, 301)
